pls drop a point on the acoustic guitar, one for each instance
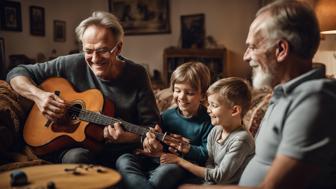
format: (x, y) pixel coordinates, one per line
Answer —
(83, 123)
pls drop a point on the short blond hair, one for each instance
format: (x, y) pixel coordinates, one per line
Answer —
(234, 90)
(196, 74)
(101, 18)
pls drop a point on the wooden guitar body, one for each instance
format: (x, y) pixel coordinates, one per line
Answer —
(45, 137)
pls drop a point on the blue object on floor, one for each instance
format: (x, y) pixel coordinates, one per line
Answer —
(18, 178)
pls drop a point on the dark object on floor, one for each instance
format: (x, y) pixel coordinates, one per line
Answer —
(18, 178)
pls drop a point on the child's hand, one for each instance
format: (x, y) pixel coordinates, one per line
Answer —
(169, 158)
(150, 144)
(181, 144)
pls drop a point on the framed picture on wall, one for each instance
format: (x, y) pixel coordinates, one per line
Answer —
(142, 17)
(192, 31)
(10, 16)
(59, 31)
(37, 22)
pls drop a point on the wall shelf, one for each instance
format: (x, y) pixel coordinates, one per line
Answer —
(215, 59)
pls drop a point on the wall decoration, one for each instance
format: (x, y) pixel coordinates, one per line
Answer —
(193, 31)
(142, 17)
(10, 16)
(37, 21)
(59, 31)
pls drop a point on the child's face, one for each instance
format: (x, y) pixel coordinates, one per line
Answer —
(219, 111)
(187, 98)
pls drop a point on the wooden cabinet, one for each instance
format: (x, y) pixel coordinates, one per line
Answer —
(215, 59)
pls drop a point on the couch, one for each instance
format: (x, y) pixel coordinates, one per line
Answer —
(14, 110)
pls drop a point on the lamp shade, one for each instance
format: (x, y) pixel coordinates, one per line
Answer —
(326, 15)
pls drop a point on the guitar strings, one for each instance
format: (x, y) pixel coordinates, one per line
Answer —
(104, 118)
(96, 116)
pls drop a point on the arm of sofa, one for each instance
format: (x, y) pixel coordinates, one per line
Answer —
(13, 112)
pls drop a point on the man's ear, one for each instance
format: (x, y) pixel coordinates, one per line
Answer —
(236, 110)
(282, 50)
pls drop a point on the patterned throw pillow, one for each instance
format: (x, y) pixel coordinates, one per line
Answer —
(259, 104)
(164, 99)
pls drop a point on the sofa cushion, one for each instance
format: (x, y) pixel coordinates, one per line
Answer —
(164, 99)
(13, 112)
(255, 114)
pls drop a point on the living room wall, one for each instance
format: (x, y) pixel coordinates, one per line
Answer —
(326, 53)
(70, 11)
(222, 20)
(227, 21)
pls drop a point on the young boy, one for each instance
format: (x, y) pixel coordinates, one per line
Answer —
(190, 124)
(230, 146)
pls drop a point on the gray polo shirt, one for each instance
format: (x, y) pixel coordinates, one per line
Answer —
(300, 123)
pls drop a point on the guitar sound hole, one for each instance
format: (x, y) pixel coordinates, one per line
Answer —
(70, 122)
(74, 110)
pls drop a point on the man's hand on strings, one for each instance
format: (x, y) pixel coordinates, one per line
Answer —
(51, 106)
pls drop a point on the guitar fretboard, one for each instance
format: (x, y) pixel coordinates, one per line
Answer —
(100, 119)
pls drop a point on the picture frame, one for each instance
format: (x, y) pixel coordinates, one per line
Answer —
(10, 14)
(193, 31)
(37, 20)
(142, 17)
(59, 31)
(2, 58)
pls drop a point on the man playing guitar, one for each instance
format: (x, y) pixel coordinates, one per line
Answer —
(100, 66)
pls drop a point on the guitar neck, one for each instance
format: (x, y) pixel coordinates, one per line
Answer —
(100, 119)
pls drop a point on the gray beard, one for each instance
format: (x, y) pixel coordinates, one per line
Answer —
(261, 79)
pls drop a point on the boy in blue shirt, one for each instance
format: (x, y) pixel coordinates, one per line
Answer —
(190, 124)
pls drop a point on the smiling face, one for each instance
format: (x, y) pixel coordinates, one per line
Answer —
(260, 54)
(101, 48)
(219, 111)
(187, 99)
